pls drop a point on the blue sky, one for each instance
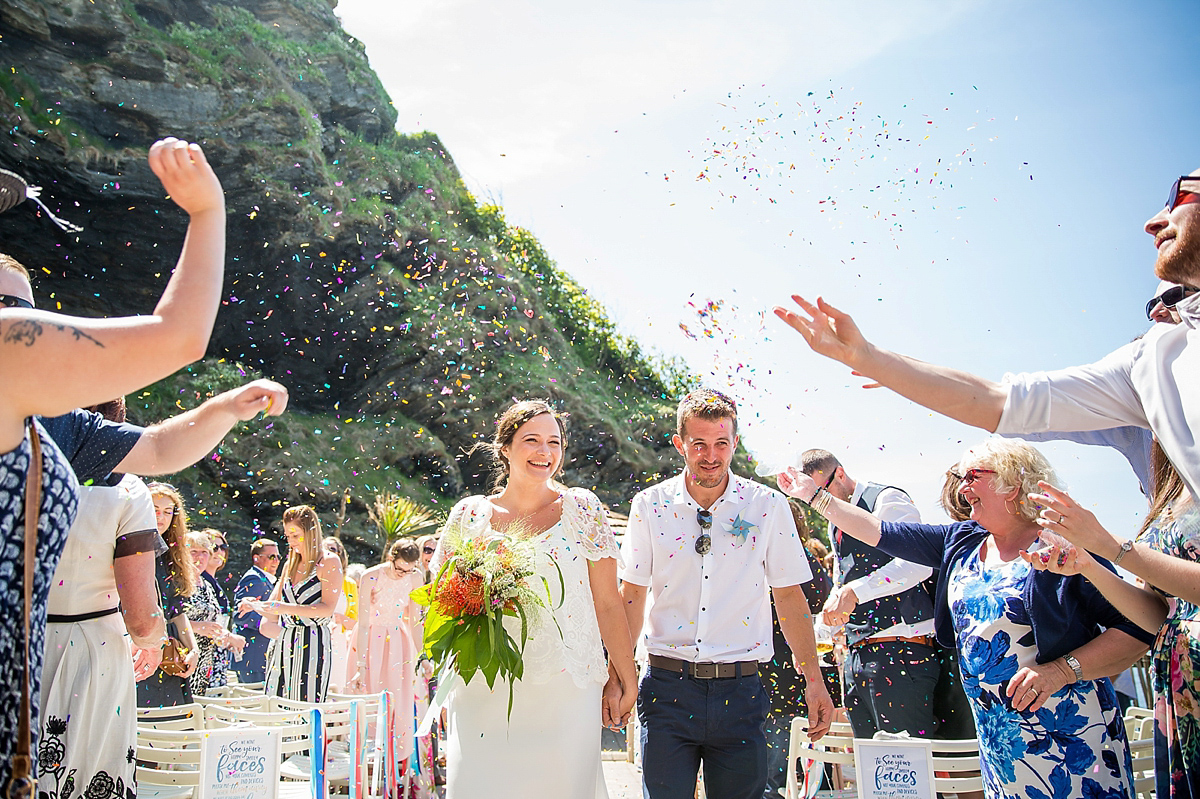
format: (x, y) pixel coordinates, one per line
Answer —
(968, 179)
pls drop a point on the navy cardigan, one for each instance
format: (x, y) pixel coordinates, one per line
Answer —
(1065, 612)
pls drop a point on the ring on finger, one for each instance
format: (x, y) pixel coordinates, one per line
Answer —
(1035, 692)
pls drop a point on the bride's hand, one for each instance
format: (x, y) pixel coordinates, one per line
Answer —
(617, 703)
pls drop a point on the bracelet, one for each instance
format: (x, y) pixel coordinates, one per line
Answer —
(1125, 547)
(1075, 667)
(821, 502)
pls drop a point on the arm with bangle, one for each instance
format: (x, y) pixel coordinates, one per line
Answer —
(848, 518)
(1063, 516)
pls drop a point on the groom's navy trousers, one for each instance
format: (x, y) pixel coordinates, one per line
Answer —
(686, 720)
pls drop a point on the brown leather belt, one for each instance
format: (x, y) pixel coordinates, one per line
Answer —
(924, 640)
(705, 671)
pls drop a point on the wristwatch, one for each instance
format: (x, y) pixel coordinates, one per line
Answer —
(1075, 667)
(1126, 545)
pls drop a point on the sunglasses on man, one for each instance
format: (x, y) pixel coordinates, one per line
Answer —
(704, 542)
(1181, 196)
(10, 301)
(1169, 298)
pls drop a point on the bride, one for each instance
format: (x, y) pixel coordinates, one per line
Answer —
(550, 744)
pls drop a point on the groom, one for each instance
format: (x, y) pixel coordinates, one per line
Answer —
(707, 544)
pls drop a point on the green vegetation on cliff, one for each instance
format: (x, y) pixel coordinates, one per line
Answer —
(401, 314)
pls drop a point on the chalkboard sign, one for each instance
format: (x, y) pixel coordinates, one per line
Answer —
(894, 769)
(240, 763)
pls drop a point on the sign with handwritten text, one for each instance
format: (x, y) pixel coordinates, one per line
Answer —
(239, 763)
(894, 769)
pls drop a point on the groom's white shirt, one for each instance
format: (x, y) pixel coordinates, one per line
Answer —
(712, 608)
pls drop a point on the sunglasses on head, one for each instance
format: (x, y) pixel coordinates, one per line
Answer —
(972, 475)
(704, 542)
(1181, 196)
(1169, 298)
(10, 301)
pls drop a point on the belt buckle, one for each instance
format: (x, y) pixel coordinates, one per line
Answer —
(704, 671)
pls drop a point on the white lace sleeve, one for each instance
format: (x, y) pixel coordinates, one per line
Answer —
(586, 515)
(463, 514)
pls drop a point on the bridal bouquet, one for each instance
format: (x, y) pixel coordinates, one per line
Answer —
(483, 579)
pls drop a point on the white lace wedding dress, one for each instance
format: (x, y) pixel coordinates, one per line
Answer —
(550, 746)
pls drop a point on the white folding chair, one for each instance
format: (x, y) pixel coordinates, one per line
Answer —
(168, 763)
(179, 717)
(956, 766)
(250, 702)
(341, 735)
(1142, 752)
(836, 747)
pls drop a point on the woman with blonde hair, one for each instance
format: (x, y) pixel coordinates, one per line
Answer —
(204, 611)
(1036, 649)
(300, 610)
(177, 576)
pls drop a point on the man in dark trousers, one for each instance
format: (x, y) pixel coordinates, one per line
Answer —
(892, 668)
(256, 583)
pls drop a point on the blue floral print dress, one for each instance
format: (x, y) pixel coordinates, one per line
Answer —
(1074, 745)
(1176, 659)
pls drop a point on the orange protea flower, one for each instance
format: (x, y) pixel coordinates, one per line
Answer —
(461, 595)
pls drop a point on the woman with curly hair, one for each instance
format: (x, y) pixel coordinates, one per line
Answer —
(300, 610)
(1036, 649)
(177, 576)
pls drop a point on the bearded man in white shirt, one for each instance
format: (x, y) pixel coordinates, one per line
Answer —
(707, 545)
(1152, 383)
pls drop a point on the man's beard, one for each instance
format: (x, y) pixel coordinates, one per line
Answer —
(709, 482)
(1181, 264)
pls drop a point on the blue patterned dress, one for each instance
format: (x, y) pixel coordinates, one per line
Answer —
(59, 499)
(1074, 745)
(1176, 659)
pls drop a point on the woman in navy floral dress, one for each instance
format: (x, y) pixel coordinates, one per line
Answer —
(51, 364)
(1035, 648)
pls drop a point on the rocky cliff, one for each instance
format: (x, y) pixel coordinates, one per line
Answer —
(361, 273)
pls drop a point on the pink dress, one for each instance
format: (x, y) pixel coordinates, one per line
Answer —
(392, 651)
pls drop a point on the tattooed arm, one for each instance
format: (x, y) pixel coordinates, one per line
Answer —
(51, 363)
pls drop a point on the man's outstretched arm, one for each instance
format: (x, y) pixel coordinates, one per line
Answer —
(960, 395)
(176, 443)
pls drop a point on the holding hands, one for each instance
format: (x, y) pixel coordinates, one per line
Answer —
(617, 704)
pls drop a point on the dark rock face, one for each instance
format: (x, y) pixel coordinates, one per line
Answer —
(357, 273)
